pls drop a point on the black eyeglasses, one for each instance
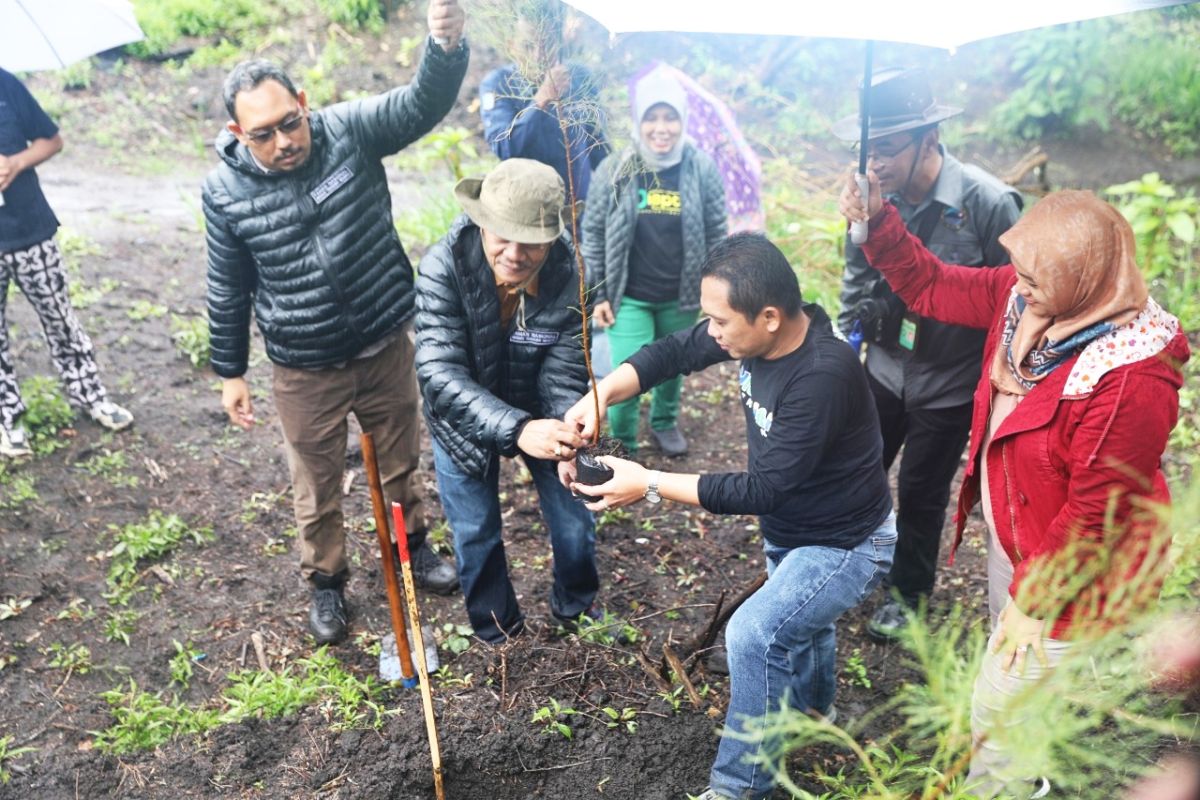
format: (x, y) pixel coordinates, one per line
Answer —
(289, 124)
(886, 151)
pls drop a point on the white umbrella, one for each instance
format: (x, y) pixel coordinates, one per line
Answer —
(51, 34)
(936, 23)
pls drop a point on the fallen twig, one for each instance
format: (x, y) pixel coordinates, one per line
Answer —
(681, 673)
(260, 651)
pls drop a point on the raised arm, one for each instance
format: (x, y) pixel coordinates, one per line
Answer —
(391, 121)
(958, 295)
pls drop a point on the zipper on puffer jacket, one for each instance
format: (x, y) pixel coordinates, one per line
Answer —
(327, 266)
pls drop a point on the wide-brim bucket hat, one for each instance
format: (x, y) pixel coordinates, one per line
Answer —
(901, 100)
(521, 200)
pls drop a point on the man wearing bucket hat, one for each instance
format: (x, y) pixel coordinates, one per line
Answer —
(921, 372)
(299, 230)
(499, 362)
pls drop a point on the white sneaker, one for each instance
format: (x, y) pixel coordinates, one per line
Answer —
(710, 794)
(110, 415)
(14, 443)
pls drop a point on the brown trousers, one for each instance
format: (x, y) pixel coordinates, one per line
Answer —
(313, 406)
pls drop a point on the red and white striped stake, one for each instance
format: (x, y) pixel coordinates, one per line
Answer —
(414, 625)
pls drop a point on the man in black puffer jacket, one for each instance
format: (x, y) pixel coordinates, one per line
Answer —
(499, 361)
(299, 228)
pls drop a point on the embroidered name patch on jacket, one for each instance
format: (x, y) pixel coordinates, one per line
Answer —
(331, 184)
(532, 336)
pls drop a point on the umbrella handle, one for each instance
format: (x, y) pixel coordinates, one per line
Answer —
(858, 230)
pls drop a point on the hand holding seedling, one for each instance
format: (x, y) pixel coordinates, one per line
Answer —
(627, 485)
(602, 315)
(550, 439)
(555, 85)
(446, 20)
(621, 384)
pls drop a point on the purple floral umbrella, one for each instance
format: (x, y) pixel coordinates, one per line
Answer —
(713, 129)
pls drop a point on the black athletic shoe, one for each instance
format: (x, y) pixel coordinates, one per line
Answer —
(327, 616)
(432, 572)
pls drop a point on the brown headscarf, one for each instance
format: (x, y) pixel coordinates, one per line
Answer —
(1079, 251)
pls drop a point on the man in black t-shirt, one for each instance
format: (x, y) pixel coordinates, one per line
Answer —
(30, 256)
(814, 476)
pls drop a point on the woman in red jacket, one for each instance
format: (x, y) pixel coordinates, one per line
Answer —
(1078, 395)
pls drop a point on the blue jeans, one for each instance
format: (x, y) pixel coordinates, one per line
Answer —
(782, 646)
(472, 508)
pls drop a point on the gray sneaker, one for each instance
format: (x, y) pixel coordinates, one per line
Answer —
(670, 442)
(108, 414)
(888, 621)
(14, 442)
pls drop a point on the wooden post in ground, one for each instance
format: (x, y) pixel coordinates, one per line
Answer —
(414, 619)
(390, 580)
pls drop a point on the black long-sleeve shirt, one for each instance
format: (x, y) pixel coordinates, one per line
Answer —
(815, 467)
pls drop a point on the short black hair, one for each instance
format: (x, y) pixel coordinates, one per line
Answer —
(758, 274)
(246, 77)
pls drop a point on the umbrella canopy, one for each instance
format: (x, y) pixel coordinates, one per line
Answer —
(936, 23)
(713, 129)
(51, 34)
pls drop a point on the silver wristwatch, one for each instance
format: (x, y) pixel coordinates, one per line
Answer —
(652, 495)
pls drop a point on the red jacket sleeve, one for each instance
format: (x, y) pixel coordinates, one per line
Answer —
(967, 296)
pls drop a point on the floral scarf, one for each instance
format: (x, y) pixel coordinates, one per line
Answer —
(1079, 251)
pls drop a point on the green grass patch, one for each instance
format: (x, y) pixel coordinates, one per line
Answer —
(803, 222)
(8, 754)
(191, 338)
(16, 489)
(165, 22)
(144, 720)
(420, 227)
(46, 413)
(110, 465)
(138, 542)
(354, 14)
(1156, 80)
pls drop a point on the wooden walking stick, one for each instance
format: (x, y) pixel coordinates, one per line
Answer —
(414, 619)
(408, 679)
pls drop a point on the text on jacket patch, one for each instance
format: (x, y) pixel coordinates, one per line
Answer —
(331, 184)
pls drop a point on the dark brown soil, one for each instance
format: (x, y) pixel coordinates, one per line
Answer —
(663, 567)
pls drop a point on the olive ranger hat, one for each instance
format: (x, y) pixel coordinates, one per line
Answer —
(521, 200)
(901, 100)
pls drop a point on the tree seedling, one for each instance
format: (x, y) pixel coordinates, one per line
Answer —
(551, 717)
